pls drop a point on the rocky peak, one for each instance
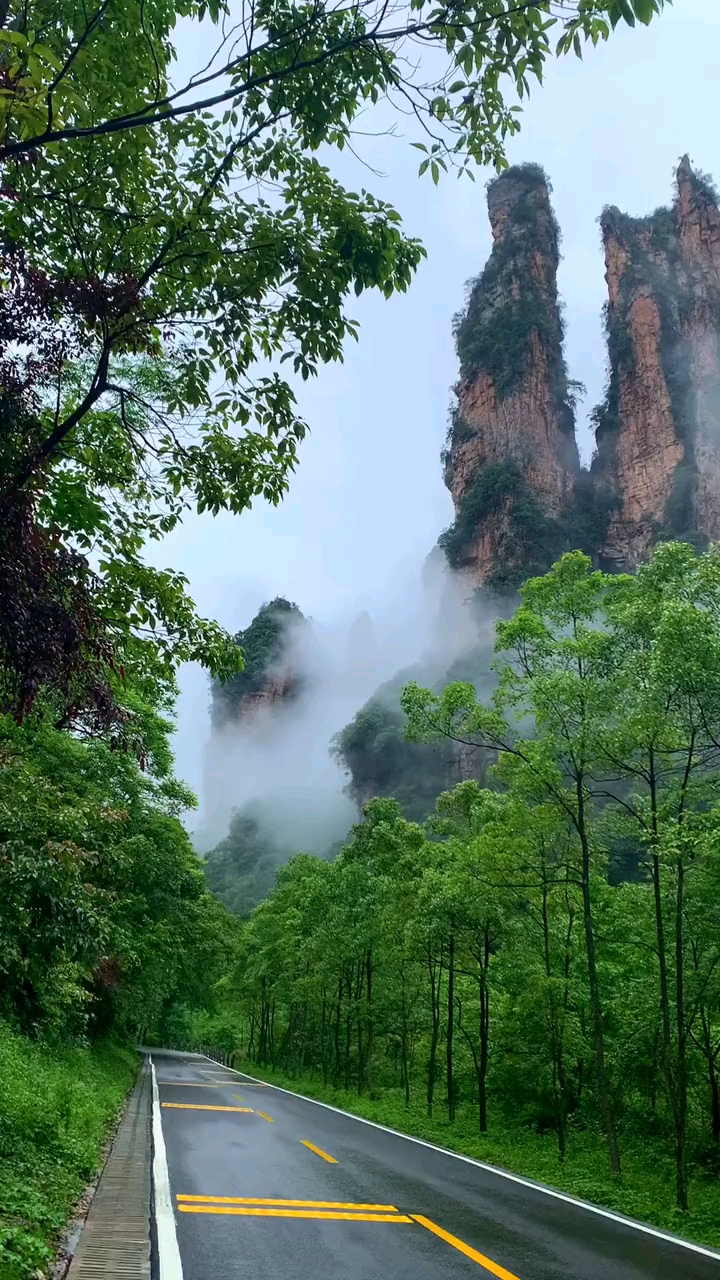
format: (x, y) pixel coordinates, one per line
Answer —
(511, 461)
(271, 677)
(698, 220)
(658, 431)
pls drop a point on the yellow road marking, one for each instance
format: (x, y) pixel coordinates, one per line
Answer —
(264, 1116)
(460, 1245)
(201, 1106)
(291, 1204)
(294, 1213)
(323, 1154)
(190, 1084)
(238, 1096)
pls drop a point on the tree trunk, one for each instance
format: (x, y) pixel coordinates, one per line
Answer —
(596, 1010)
(348, 1031)
(262, 1047)
(404, 1064)
(450, 1029)
(323, 1037)
(435, 977)
(359, 986)
(681, 1185)
(370, 1028)
(714, 1099)
(338, 1019)
(405, 1068)
(555, 1042)
(484, 1033)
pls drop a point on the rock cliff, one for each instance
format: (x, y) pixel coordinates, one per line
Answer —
(511, 461)
(521, 497)
(511, 464)
(658, 431)
(271, 678)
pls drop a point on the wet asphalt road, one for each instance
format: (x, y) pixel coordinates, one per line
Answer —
(227, 1157)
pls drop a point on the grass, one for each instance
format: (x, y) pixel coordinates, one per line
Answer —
(57, 1107)
(645, 1191)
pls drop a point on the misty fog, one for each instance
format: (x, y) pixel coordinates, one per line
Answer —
(279, 758)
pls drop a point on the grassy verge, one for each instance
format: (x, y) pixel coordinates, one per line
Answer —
(645, 1191)
(56, 1108)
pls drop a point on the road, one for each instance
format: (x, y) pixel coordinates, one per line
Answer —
(266, 1185)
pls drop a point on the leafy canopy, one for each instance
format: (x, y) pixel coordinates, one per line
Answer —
(169, 246)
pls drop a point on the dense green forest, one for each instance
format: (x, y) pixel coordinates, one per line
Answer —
(544, 952)
(164, 256)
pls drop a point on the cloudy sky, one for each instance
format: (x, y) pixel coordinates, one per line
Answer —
(368, 500)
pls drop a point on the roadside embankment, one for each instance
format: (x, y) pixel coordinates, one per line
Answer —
(58, 1105)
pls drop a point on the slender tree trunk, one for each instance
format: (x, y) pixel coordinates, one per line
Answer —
(714, 1099)
(370, 1027)
(450, 1028)
(348, 1030)
(323, 1037)
(404, 1064)
(361, 1057)
(338, 1019)
(405, 1067)
(555, 1047)
(596, 1009)
(681, 1183)
(435, 979)
(303, 1037)
(359, 986)
(674, 1066)
(262, 1047)
(484, 1032)
(656, 871)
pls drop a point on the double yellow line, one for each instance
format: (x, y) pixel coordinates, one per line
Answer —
(248, 1207)
(203, 1106)
(333, 1210)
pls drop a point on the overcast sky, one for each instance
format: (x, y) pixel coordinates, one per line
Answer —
(368, 501)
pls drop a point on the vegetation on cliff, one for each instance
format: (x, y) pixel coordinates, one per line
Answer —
(661, 323)
(654, 265)
(528, 540)
(510, 302)
(379, 760)
(377, 755)
(514, 397)
(520, 503)
(240, 869)
(263, 645)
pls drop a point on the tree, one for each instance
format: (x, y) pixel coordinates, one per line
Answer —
(241, 868)
(157, 252)
(105, 918)
(663, 625)
(61, 82)
(617, 675)
(553, 673)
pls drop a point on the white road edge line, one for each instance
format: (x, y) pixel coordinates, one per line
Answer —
(501, 1173)
(169, 1263)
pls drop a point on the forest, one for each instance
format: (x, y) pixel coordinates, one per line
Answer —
(176, 258)
(543, 954)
